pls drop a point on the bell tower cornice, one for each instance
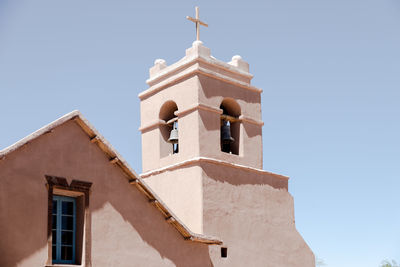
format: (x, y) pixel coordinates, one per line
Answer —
(198, 60)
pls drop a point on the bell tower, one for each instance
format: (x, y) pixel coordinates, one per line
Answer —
(199, 108)
(202, 154)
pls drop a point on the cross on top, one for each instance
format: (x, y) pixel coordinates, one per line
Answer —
(197, 22)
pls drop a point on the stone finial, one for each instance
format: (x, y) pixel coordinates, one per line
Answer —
(238, 62)
(159, 64)
(160, 61)
(198, 49)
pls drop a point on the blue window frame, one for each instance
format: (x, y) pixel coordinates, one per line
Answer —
(63, 229)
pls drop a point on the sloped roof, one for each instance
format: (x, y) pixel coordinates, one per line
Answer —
(116, 158)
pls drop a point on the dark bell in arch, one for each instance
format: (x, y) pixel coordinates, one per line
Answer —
(226, 137)
(173, 137)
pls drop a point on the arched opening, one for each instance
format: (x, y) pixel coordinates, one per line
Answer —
(169, 139)
(230, 126)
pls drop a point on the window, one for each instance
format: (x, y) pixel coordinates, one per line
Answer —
(68, 224)
(63, 229)
(224, 252)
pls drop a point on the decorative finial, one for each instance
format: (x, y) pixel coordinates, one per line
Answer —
(198, 23)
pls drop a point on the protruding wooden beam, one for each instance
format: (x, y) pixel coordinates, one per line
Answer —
(133, 181)
(229, 118)
(94, 139)
(170, 219)
(171, 121)
(114, 160)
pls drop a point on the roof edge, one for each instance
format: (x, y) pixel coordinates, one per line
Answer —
(39, 132)
(116, 158)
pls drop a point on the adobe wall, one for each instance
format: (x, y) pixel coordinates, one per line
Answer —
(182, 191)
(253, 214)
(125, 229)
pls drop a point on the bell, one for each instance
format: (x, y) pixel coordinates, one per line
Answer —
(173, 137)
(226, 137)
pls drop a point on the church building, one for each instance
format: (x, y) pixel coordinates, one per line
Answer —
(68, 198)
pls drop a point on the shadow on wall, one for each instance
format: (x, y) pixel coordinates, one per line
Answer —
(240, 177)
(216, 88)
(252, 130)
(150, 224)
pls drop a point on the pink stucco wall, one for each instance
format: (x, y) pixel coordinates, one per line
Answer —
(126, 230)
(251, 211)
(254, 214)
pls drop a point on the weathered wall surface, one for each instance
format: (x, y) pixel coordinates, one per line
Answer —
(250, 210)
(181, 190)
(253, 213)
(125, 229)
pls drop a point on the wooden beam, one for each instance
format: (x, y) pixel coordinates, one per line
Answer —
(94, 139)
(114, 160)
(171, 121)
(205, 240)
(133, 181)
(170, 219)
(229, 118)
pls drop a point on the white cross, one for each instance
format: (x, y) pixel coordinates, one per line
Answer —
(198, 23)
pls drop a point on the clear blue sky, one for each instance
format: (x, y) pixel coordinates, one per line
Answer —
(330, 70)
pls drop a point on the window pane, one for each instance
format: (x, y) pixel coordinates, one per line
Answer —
(67, 208)
(66, 238)
(67, 223)
(63, 223)
(54, 222)
(54, 252)
(54, 207)
(66, 253)
(54, 237)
